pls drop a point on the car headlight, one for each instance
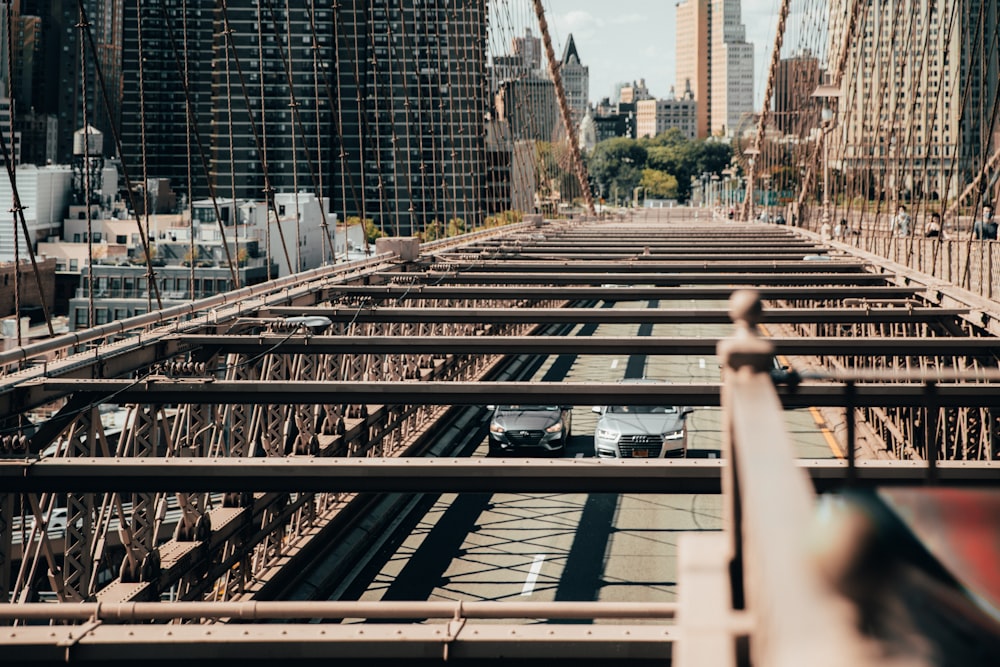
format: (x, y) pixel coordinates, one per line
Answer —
(608, 434)
(555, 428)
(497, 428)
(673, 435)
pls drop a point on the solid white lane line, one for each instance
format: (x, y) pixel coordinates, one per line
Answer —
(536, 567)
(614, 364)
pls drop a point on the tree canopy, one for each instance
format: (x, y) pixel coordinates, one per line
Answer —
(663, 165)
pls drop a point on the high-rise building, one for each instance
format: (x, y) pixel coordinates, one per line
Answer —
(575, 79)
(731, 68)
(795, 110)
(283, 50)
(653, 117)
(47, 75)
(192, 99)
(157, 114)
(634, 92)
(528, 104)
(412, 95)
(693, 57)
(529, 49)
(716, 62)
(918, 108)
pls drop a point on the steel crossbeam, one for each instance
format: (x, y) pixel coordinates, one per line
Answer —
(621, 293)
(161, 390)
(458, 277)
(817, 346)
(605, 315)
(449, 475)
(719, 264)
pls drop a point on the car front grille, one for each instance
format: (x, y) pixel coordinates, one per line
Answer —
(525, 438)
(645, 446)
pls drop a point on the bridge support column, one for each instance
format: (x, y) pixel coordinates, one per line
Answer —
(407, 248)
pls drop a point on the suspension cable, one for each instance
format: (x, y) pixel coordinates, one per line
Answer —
(150, 274)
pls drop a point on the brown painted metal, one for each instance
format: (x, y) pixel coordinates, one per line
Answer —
(156, 391)
(609, 316)
(272, 610)
(721, 263)
(816, 346)
(657, 279)
(446, 475)
(400, 293)
(797, 615)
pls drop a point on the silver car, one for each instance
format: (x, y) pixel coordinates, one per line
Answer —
(540, 427)
(641, 431)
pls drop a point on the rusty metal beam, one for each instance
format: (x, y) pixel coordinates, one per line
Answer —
(160, 390)
(448, 475)
(258, 610)
(404, 292)
(656, 279)
(457, 643)
(538, 256)
(609, 316)
(648, 265)
(702, 345)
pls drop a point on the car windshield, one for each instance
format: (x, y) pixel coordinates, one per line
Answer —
(528, 408)
(642, 409)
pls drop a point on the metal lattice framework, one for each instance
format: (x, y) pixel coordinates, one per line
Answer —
(253, 422)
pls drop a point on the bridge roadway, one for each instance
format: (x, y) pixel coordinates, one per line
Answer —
(581, 547)
(265, 390)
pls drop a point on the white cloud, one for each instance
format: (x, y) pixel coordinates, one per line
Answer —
(583, 25)
(628, 18)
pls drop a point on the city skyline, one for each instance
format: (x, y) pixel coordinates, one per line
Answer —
(600, 31)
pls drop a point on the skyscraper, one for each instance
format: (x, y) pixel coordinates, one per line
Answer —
(693, 57)
(575, 79)
(244, 115)
(918, 96)
(411, 96)
(155, 117)
(731, 68)
(716, 62)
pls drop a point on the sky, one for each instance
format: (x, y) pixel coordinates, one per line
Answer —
(625, 40)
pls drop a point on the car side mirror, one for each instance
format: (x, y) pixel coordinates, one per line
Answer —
(686, 410)
(596, 409)
(566, 407)
(491, 407)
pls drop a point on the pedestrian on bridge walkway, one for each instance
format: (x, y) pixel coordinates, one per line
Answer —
(901, 222)
(986, 227)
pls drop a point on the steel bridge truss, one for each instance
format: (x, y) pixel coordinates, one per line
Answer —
(251, 422)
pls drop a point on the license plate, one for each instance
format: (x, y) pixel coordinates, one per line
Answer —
(640, 453)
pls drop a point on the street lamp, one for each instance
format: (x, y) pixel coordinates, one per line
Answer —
(825, 93)
(751, 155)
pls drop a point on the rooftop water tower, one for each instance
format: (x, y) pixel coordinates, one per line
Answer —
(88, 158)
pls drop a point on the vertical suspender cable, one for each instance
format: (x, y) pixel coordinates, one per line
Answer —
(91, 321)
(293, 106)
(574, 147)
(150, 275)
(192, 121)
(190, 175)
(142, 140)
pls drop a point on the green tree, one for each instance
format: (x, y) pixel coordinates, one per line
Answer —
(658, 184)
(616, 166)
(372, 232)
(456, 226)
(432, 231)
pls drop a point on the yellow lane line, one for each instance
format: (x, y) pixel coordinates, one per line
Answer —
(817, 417)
